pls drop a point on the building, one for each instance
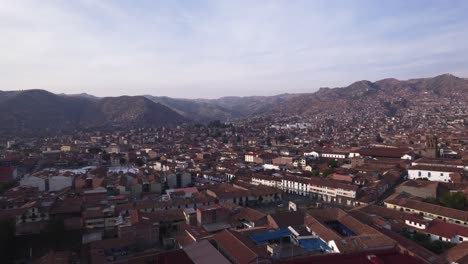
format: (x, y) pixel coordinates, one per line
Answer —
(342, 233)
(436, 173)
(431, 211)
(8, 174)
(432, 147)
(178, 180)
(438, 230)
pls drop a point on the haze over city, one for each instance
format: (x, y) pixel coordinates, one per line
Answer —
(209, 49)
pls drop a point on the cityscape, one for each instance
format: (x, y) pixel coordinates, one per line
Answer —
(360, 171)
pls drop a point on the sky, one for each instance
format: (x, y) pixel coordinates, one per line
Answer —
(210, 49)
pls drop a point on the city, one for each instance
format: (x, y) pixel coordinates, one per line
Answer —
(159, 132)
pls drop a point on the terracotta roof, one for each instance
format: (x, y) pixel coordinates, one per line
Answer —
(203, 252)
(458, 253)
(437, 168)
(384, 152)
(430, 208)
(285, 219)
(249, 214)
(238, 248)
(390, 256)
(444, 229)
(334, 184)
(413, 247)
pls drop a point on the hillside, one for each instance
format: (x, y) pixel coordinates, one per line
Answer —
(197, 111)
(39, 111)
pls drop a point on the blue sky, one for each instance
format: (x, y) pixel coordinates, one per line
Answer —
(209, 49)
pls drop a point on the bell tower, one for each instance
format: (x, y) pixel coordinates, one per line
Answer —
(432, 146)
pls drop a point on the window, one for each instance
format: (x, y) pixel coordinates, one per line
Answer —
(419, 174)
(429, 174)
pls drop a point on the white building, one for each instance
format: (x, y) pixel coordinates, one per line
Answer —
(57, 183)
(313, 154)
(267, 180)
(434, 173)
(34, 181)
(249, 157)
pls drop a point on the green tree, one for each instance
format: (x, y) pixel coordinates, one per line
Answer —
(454, 200)
(333, 164)
(327, 172)
(431, 200)
(379, 139)
(106, 156)
(94, 150)
(139, 162)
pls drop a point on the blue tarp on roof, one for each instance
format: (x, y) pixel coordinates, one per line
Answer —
(265, 237)
(314, 244)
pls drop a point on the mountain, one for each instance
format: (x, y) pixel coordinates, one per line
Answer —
(39, 111)
(82, 95)
(196, 110)
(32, 110)
(132, 111)
(388, 96)
(249, 105)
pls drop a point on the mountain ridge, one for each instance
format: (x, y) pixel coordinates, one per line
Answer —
(37, 109)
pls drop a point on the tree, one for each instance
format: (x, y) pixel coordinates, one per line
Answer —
(94, 150)
(327, 172)
(139, 162)
(379, 139)
(431, 200)
(315, 173)
(333, 164)
(281, 138)
(106, 156)
(454, 200)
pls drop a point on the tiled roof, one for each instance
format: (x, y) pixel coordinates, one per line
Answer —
(430, 208)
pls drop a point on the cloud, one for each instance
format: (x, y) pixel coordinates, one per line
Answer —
(218, 48)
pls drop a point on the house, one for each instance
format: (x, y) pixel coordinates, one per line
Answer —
(386, 152)
(178, 180)
(99, 218)
(431, 211)
(227, 193)
(205, 252)
(312, 154)
(34, 181)
(436, 173)
(457, 254)
(342, 233)
(438, 230)
(267, 180)
(239, 249)
(333, 154)
(8, 174)
(282, 220)
(419, 188)
(141, 228)
(212, 214)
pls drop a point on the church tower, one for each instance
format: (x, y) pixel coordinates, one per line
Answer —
(431, 147)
